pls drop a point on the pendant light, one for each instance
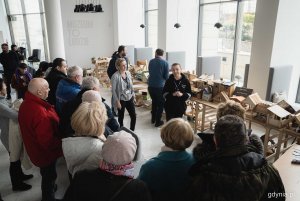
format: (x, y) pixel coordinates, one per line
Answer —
(218, 25)
(177, 25)
(143, 15)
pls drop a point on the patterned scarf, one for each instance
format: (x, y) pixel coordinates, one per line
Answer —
(121, 170)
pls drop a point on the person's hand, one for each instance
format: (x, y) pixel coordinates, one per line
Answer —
(179, 94)
(119, 106)
(175, 93)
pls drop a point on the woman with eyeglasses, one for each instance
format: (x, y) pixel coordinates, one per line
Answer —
(123, 94)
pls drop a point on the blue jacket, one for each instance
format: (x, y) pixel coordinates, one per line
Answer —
(158, 72)
(166, 175)
(66, 90)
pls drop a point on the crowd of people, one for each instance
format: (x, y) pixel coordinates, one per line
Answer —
(64, 115)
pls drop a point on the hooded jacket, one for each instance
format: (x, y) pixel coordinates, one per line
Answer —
(171, 86)
(66, 90)
(234, 174)
(82, 153)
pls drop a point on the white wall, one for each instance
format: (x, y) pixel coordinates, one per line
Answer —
(262, 45)
(185, 37)
(162, 24)
(287, 42)
(130, 18)
(4, 28)
(87, 35)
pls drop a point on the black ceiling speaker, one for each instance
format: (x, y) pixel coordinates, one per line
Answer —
(142, 26)
(218, 25)
(177, 25)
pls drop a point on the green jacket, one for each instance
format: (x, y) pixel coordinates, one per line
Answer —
(235, 174)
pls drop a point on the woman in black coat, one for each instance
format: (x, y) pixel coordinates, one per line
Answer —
(176, 91)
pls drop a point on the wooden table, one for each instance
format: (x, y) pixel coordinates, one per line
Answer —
(286, 135)
(290, 174)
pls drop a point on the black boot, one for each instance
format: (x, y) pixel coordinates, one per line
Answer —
(17, 177)
(23, 176)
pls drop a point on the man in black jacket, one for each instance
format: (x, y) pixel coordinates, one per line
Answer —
(121, 53)
(10, 62)
(58, 72)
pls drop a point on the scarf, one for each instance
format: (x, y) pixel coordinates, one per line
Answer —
(119, 170)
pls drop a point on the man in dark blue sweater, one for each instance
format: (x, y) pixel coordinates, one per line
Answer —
(158, 74)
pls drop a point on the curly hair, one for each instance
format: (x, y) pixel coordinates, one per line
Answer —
(231, 107)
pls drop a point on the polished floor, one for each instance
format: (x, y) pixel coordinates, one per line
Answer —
(150, 146)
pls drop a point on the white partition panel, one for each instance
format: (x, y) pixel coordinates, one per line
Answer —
(176, 57)
(143, 53)
(209, 65)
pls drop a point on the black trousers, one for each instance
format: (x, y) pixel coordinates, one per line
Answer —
(156, 95)
(129, 105)
(49, 175)
(170, 114)
(8, 83)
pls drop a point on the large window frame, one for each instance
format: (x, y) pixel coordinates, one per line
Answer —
(26, 29)
(238, 28)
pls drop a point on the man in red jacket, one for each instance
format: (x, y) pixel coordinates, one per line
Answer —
(39, 126)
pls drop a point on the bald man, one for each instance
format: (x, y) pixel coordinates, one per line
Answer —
(39, 126)
(90, 96)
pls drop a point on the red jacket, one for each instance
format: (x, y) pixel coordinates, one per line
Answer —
(39, 125)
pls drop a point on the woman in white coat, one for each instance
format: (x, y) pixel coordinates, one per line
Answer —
(83, 151)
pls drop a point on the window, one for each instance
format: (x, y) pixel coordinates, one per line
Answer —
(26, 25)
(151, 22)
(232, 42)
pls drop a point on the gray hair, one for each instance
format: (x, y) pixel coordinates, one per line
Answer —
(73, 71)
(89, 83)
(90, 96)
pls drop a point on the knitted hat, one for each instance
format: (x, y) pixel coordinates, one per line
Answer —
(119, 148)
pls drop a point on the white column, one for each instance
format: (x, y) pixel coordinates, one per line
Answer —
(54, 29)
(162, 25)
(262, 45)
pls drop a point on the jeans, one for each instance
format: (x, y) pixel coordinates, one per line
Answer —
(49, 175)
(156, 95)
(129, 105)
